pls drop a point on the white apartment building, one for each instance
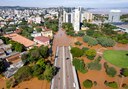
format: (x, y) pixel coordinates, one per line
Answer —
(77, 19)
(68, 17)
(114, 16)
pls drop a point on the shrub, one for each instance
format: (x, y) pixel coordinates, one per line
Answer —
(78, 43)
(92, 42)
(111, 84)
(105, 65)
(124, 72)
(85, 49)
(86, 38)
(125, 86)
(90, 32)
(95, 65)
(87, 83)
(111, 71)
(106, 42)
(79, 65)
(81, 33)
(95, 83)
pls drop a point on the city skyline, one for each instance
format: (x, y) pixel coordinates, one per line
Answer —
(67, 3)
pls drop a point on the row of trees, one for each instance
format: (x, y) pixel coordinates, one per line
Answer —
(35, 66)
(77, 52)
(103, 41)
(51, 24)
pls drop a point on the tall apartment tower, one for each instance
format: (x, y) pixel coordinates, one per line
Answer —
(114, 16)
(67, 17)
(77, 19)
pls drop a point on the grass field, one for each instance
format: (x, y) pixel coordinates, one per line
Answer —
(117, 57)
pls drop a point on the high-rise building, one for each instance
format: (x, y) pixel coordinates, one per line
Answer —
(86, 16)
(77, 19)
(67, 17)
(114, 16)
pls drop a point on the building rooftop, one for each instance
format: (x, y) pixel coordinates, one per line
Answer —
(115, 10)
(42, 38)
(18, 38)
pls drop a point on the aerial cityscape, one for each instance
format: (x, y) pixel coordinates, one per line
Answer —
(64, 44)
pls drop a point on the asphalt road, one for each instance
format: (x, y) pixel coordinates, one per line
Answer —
(64, 79)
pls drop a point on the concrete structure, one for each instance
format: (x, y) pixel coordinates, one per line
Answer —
(13, 69)
(47, 32)
(35, 34)
(77, 19)
(42, 40)
(38, 19)
(114, 16)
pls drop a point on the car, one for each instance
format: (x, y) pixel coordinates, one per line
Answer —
(67, 58)
(74, 84)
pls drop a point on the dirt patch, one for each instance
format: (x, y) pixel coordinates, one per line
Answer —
(34, 84)
(2, 83)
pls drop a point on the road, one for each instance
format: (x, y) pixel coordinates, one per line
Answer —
(66, 76)
(64, 79)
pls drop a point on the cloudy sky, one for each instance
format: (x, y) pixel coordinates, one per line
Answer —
(51, 3)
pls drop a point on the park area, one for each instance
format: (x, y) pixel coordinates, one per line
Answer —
(98, 76)
(118, 58)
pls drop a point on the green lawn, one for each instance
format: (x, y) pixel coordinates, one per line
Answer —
(117, 57)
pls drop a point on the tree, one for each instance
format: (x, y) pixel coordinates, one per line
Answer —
(49, 72)
(19, 47)
(37, 70)
(44, 51)
(79, 65)
(23, 74)
(67, 26)
(91, 53)
(87, 83)
(38, 29)
(2, 66)
(41, 63)
(76, 52)
(34, 55)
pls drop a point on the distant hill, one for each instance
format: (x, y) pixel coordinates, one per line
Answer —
(15, 7)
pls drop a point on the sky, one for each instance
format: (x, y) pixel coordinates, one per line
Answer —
(66, 3)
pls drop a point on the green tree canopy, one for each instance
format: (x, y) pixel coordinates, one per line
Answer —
(76, 52)
(87, 83)
(23, 74)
